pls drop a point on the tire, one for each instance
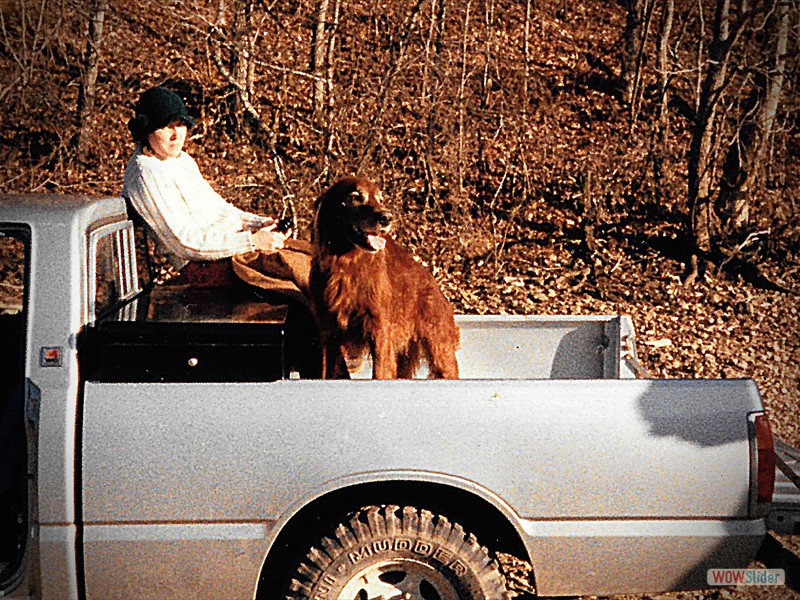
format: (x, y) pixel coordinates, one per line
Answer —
(393, 553)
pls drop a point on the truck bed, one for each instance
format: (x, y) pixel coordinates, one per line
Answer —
(542, 347)
(179, 333)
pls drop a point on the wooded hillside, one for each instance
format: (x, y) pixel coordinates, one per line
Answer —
(546, 157)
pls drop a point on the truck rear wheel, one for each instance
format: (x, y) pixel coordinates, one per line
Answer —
(394, 553)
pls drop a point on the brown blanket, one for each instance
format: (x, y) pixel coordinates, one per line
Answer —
(285, 271)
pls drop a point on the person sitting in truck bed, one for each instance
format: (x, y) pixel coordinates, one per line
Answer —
(192, 223)
(207, 236)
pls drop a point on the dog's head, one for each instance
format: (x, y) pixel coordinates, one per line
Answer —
(351, 214)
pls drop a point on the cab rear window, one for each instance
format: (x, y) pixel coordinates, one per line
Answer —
(112, 268)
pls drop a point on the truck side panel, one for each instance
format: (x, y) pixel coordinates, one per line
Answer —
(622, 556)
(201, 560)
(174, 455)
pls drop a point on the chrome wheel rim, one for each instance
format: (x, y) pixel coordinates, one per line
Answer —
(399, 579)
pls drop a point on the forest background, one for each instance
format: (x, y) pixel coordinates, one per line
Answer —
(545, 157)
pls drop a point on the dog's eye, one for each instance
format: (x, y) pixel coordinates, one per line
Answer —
(357, 197)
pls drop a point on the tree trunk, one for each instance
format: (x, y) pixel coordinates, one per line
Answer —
(317, 63)
(526, 57)
(237, 67)
(663, 67)
(701, 149)
(746, 152)
(462, 101)
(632, 48)
(244, 64)
(434, 46)
(489, 52)
(88, 86)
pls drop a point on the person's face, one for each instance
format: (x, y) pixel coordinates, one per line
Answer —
(168, 141)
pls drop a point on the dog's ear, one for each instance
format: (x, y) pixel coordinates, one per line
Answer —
(315, 223)
(326, 211)
(319, 218)
(322, 218)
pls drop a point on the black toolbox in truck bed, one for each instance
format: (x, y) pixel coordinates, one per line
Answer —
(178, 333)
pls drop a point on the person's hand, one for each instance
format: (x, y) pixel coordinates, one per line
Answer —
(258, 225)
(268, 240)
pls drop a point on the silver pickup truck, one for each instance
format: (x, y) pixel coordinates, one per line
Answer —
(166, 441)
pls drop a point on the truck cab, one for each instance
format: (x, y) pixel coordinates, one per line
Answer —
(52, 290)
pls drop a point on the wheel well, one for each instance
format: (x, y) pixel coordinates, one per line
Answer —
(318, 518)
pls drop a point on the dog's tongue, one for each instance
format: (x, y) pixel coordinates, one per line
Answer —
(376, 241)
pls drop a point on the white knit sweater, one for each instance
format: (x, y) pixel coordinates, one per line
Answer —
(190, 219)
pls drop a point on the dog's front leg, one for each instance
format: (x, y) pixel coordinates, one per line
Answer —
(331, 361)
(333, 365)
(384, 355)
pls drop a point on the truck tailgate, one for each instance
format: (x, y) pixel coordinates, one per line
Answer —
(785, 515)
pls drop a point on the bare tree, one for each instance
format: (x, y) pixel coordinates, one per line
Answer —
(318, 52)
(234, 50)
(90, 67)
(701, 158)
(398, 62)
(433, 43)
(747, 150)
(632, 48)
(736, 111)
(490, 52)
(663, 68)
(321, 69)
(322, 54)
(462, 107)
(526, 57)
(434, 46)
(24, 35)
(637, 31)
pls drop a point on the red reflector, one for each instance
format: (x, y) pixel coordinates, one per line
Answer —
(766, 459)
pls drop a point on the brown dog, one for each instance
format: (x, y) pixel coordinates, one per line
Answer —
(370, 295)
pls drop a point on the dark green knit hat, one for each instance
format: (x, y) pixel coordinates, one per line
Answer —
(157, 108)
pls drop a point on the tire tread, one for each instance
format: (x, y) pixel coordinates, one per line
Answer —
(389, 521)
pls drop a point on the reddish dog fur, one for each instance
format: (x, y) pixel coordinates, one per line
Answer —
(370, 295)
